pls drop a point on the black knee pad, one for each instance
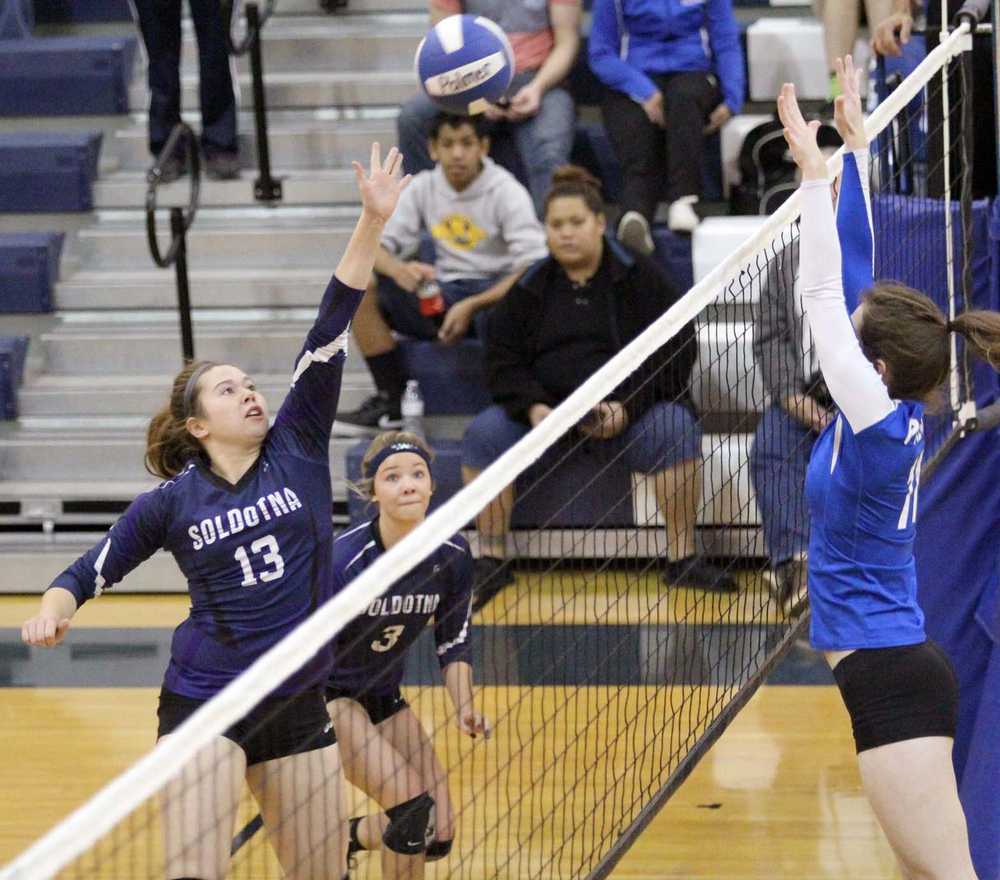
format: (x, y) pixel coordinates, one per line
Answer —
(438, 849)
(411, 825)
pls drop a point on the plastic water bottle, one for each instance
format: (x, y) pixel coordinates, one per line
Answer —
(411, 408)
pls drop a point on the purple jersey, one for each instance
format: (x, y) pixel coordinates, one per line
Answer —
(369, 652)
(256, 555)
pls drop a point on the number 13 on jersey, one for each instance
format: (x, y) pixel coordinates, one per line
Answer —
(275, 565)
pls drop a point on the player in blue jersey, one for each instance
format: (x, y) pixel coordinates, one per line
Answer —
(385, 750)
(246, 512)
(884, 352)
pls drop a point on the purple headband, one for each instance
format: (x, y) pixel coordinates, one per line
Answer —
(394, 449)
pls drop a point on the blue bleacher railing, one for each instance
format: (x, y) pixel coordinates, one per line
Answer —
(181, 138)
(266, 188)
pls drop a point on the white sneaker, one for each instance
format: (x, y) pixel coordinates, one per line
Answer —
(681, 216)
(633, 232)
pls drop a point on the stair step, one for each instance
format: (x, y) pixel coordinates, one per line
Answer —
(296, 140)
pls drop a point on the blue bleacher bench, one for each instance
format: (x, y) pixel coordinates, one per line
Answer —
(13, 350)
(17, 19)
(70, 11)
(66, 76)
(29, 268)
(48, 170)
(585, 489)
(451, 377)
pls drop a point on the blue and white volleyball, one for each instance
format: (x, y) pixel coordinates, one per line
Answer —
(465, 62)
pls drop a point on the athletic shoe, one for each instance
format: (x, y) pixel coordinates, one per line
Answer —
(377, 413)
(490, 575)
(633, 232)
(222, 166)
(682, 217)
(695, 571)
(792, 585)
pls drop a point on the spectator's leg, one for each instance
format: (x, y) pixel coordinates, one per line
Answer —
(665, 444)
(840, 29)
(779, 457)
(215, 80)
(160, 24)
(412, 127)
(545, 142)
(490, 434)
(688, 98)
(639, 147)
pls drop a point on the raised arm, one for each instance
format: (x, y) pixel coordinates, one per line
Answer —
(852, 379)
(305, 420)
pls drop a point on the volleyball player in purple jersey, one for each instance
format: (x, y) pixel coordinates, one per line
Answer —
(884, 352)
(384, 747)
(246, 511)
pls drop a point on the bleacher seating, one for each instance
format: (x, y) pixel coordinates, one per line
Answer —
(65, 76)
(29, 267)
(72, 11)
(48, 170)
(13, 351)
(450, 376)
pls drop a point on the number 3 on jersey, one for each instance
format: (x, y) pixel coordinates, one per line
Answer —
(390, 635)
(268, 546)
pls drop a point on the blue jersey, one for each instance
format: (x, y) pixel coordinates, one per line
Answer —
(369, 652)
(862, 486)
(256, 555)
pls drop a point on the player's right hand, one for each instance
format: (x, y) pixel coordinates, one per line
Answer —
(412, 274)
(44, 631)
(807, 412)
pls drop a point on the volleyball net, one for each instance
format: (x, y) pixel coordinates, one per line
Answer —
(608, 668)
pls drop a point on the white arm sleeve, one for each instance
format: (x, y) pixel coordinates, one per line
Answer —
(854, 384)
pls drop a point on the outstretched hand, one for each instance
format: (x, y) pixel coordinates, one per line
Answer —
(847, 113)
(800, 135)
(380, 189)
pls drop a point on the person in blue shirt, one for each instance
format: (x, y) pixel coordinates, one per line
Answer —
(674, 72)
(385, 749)
(245, 510)
(884, 350)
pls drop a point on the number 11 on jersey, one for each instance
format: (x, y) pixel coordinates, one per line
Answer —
(906, 515)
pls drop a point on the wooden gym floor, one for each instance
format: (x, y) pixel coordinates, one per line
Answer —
(778, 796)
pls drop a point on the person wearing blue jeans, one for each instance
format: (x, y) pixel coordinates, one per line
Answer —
(564, 319)
(533, 130)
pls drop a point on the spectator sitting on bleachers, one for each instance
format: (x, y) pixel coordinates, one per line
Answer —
(674, 73)
(160, 24)
(800, 409)
(840, 20)
(485, 233)
(536, 124)
(565, 318)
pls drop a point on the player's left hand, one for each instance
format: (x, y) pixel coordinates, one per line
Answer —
(847, 113)
(473, 724)
(718, 118)
(525, 103)
(801, 135)
(380, 189)
(457, 321)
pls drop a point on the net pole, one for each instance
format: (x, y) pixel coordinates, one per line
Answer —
(954, 391)
(82, 828)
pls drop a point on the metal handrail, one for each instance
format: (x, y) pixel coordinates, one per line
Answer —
(154, 179)
(253, 28)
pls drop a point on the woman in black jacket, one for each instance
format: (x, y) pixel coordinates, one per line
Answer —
(565, 318)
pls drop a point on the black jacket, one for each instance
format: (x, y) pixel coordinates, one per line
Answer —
(641, 293)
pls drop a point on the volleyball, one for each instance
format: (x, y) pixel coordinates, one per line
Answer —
(465, 62)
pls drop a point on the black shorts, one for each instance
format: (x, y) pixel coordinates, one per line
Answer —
(275, 728)
(379, 707)
(895, 694)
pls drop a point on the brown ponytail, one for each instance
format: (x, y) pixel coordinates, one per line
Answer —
(981, 330)
(169, 444)
(572, 180)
